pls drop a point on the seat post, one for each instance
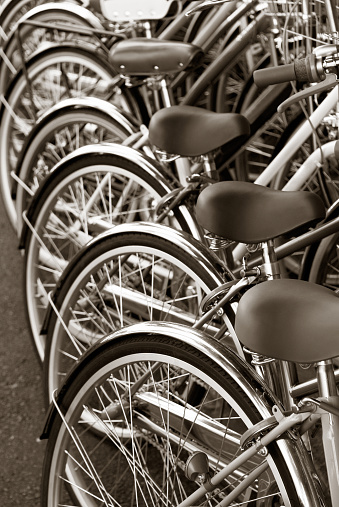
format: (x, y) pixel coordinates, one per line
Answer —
(287, 372)
(330, 425)
(271, 264)
(165, 93)
(209, 165)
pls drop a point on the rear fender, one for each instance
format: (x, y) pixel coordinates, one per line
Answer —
(292, 449)
(148, 165)
(185, 241)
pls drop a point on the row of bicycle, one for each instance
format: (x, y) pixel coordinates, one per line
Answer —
(146, 410)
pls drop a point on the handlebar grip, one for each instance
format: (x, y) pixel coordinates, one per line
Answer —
(304, 70)
(274, 75)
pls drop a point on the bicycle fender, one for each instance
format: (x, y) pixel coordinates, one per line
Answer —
(70, 8)
(75, 104)
(292, 449)
(182, 239)
(243, 373)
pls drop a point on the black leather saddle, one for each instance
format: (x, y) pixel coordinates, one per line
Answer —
(249, 213)
(148, 57)
(190, 131)
(291, 320)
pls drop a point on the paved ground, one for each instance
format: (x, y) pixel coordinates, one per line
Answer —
(21, 406)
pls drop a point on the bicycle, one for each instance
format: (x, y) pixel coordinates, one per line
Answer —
(185, 421)
(56, 209)
(127, 101)
(272, 169)
(62, 21)
(49, 219)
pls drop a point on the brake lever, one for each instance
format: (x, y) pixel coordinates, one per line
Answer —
(207, 4)
(329, 82)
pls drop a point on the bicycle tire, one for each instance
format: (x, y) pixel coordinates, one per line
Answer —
(158, 277)
(61, 131)
(61, 221)
(87, 70)
(12, 10)
(157, 448)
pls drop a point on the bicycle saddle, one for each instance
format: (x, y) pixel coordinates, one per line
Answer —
(290, 320)
(249, 213)
(191, 131)
(147, 57)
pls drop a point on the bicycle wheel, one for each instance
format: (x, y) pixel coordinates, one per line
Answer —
(145, 272)
(135, 414)
(62, 130)
(53, 74)
(27, 36)
(82, 199)
(324, 182)
(325, 266)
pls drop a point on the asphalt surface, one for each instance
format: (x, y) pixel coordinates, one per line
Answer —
(21, 401)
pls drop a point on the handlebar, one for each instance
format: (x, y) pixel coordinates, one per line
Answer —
(304, 70)
(321, 67)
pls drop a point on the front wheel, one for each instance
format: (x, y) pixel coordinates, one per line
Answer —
(133, 416)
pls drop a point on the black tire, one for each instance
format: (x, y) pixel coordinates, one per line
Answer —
(146, 438)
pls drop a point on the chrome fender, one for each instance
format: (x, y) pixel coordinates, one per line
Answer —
(68, 106)
(149, 166)
(184, 240)
(232, 364)
(70, 8)
(292, 449)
